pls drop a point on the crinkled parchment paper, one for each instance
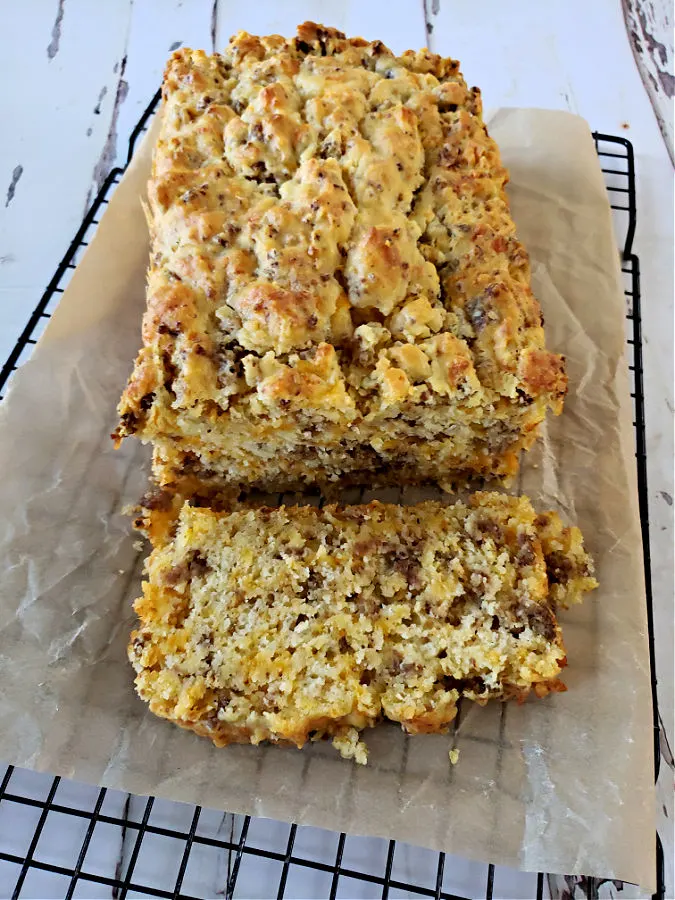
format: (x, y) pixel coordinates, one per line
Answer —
(562, 785)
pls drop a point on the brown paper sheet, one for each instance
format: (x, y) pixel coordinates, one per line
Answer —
(563, 785)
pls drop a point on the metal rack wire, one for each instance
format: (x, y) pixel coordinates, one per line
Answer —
(94, 819)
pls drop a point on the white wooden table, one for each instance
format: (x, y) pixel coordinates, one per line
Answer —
(76, 75)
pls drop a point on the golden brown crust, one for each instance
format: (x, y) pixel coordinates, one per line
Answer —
(334, 266)
(292, 623)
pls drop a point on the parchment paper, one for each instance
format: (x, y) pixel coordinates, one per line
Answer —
(563, 785)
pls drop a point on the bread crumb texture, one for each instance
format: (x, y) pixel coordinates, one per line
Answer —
(298, 623)
(336, 288)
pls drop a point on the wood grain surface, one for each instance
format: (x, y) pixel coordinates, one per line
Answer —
(650, 30)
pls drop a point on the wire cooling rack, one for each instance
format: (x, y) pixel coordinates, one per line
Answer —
(60, 839)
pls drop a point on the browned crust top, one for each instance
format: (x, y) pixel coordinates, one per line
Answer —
(323, 212)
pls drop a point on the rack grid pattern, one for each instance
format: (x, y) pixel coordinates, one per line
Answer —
(83, 822)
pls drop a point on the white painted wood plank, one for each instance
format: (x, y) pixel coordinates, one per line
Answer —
(398, 23)
(650, 32)
(565, 54)
(59, 59)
